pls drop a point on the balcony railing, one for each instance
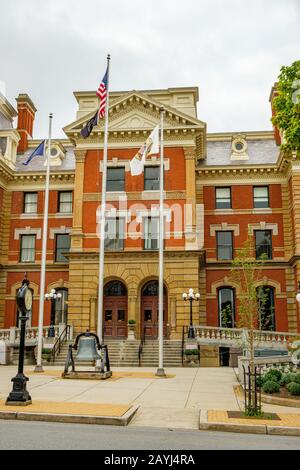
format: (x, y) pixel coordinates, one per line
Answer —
(12, 335)
(239, 335)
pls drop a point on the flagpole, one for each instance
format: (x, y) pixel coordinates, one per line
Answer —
(39, 367)
(102, 217)
(160, 371)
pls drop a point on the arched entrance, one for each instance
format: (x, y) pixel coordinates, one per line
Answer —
(115, 310)
(149, 309)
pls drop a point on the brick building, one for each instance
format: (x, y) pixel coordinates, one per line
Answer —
(218, 187)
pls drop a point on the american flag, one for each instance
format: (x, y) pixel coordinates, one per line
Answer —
(102, 93)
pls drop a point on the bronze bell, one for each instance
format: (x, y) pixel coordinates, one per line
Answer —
(87, 350)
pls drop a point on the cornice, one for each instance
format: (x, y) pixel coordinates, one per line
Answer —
(214, 171)
(132, 255)
(250, 135)
(41, 177)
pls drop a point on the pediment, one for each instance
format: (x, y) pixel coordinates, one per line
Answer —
(135, 111)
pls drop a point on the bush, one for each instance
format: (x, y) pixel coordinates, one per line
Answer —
(273, 375)
(293, 388)
(131, 322)
(285, 380)
(292, 377)
(191, 352)
(271, 386)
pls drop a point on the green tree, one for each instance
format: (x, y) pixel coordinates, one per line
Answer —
(246, 273)
(287, 107)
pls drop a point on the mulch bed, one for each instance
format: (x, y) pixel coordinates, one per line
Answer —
(241, 415)
(283, 394)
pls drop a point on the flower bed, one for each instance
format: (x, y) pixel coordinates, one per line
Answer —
(280, 384)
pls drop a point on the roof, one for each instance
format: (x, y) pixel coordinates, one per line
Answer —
(37, 164)
(260, 152)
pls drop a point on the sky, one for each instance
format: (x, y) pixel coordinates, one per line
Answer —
(231, 49)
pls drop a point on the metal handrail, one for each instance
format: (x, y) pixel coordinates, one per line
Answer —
(184, 330)
(143, 339)
(59, 341)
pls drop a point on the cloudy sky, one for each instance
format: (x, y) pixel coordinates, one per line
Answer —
(231, 49)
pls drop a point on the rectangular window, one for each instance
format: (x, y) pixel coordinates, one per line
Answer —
(115, 179)
(263, 244)
(261, 196)
(114, 234)
(151, 232)
(151, 178)
(65, 200)
(30, 203)
(27, 252)
(62, 246)
(224, 245)
(223, 198)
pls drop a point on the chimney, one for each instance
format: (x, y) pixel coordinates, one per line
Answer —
(273, 95)
(26, 113)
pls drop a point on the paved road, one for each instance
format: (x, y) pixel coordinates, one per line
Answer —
(34, 435)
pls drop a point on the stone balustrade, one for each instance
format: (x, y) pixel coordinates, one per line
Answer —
(238, 336)
(12, 335)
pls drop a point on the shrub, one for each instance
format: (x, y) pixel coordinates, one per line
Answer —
(292, 377)
(285, 380)
(293, 388)
(191, 352)
(297, 378)
(273, 374)
(131, 322)
(271, 386)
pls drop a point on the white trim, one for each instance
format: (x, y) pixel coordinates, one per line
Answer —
(59, 230)
(263, 226)
(224, 227)
(27, 231)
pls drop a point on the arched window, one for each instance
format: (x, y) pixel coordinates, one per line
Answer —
(226, 307)
(151, 289)
(61, 307)
(266, 308)
(115, 288)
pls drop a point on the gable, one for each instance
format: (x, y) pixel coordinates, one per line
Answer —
(132, 117)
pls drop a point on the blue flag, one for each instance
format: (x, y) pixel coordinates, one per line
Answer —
(39, 151)
(85, 132)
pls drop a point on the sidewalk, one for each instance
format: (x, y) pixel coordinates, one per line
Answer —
(172, 402)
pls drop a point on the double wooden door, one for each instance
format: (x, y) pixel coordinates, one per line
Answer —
(149, 313)
(115, 317)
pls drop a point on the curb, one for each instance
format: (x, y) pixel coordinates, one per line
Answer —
(72, 418)
(204, 425)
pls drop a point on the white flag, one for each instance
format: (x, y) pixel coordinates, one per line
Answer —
(150, 147)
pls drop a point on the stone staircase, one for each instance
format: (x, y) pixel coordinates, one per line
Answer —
(126, 354)
(172, 353)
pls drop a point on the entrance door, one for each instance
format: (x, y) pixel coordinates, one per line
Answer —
(115, 310)
(149, 310)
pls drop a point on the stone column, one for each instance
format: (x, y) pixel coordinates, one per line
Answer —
(93, 314)
(133, 311)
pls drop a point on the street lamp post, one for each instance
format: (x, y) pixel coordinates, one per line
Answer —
(191, 296)
(52, 297)
(19, 394)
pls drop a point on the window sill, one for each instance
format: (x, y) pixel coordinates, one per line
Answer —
(64, 214)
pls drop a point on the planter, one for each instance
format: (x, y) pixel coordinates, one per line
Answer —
(131, 331)
(191, 360)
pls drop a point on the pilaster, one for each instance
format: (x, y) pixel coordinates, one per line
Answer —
(77, 233)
